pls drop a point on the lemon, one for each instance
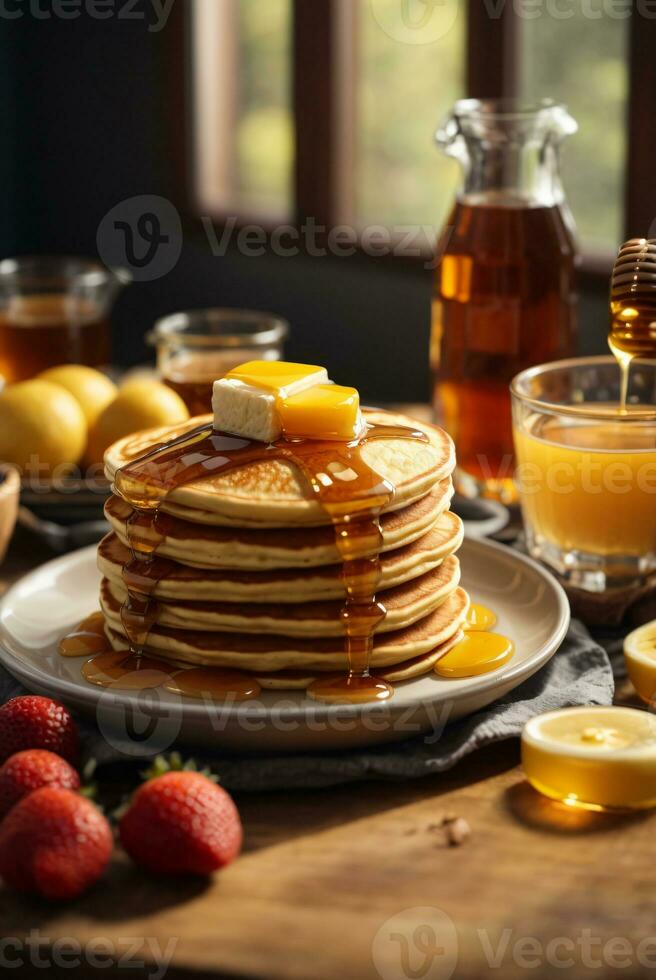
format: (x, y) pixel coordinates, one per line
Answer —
(41, 427)
(93, 390)
(640, 659)
(140, 404)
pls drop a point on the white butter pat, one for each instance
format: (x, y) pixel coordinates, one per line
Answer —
(244, 410)
(245, 402)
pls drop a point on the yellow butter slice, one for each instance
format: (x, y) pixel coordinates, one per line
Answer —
(322, 412)
(282, 378)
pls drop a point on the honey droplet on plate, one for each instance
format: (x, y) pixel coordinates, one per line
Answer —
(477, 653)
(480, 618)
(355, 689)
(123, 670)
(214, 683)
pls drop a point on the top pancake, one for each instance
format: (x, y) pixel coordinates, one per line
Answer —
(274, 493)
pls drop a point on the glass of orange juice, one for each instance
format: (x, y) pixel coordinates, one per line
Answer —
(586, 470)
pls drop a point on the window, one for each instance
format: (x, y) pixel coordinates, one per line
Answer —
(243, 129)
(583, 63)
(328, 107)
(400, 92)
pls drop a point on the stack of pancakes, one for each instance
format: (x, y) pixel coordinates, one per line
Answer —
(253, 577)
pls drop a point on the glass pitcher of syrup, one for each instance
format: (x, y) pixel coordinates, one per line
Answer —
(504, 296)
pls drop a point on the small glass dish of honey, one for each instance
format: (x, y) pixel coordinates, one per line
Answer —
(55, 309)
(196, 348)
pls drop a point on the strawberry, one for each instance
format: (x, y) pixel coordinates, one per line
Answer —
(32, 722)
(27, 771)
(181, 823)
(54, 843)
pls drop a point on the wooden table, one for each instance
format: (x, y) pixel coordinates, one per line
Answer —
(344, 883)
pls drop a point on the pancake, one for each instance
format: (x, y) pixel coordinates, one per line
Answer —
(416, 667)
(203, 546)
(405, 604)
(286, 585)
(285, 680)
(421, 665)
(273, 653)
(274, 493)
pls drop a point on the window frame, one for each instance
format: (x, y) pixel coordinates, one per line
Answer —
(323, 45)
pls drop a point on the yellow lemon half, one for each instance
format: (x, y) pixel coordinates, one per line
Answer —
(140, 404)
(92, 389)
(41, 427)
(640, 659)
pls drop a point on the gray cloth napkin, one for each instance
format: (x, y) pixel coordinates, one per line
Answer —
(580, 673)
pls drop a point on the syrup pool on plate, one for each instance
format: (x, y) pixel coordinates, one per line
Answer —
(213, 683)
(479, 652)
(86, 639)
(124, 670)
(105, 666)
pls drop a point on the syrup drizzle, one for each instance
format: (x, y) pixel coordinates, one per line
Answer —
(336, 474)
(633, 307)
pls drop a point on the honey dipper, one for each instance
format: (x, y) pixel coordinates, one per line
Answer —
(633, 307)
(633, 300)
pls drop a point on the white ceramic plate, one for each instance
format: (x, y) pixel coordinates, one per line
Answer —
(531, 606)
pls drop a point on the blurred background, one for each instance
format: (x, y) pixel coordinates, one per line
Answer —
(264, 112)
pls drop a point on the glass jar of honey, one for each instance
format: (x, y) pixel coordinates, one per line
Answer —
(505, 294)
